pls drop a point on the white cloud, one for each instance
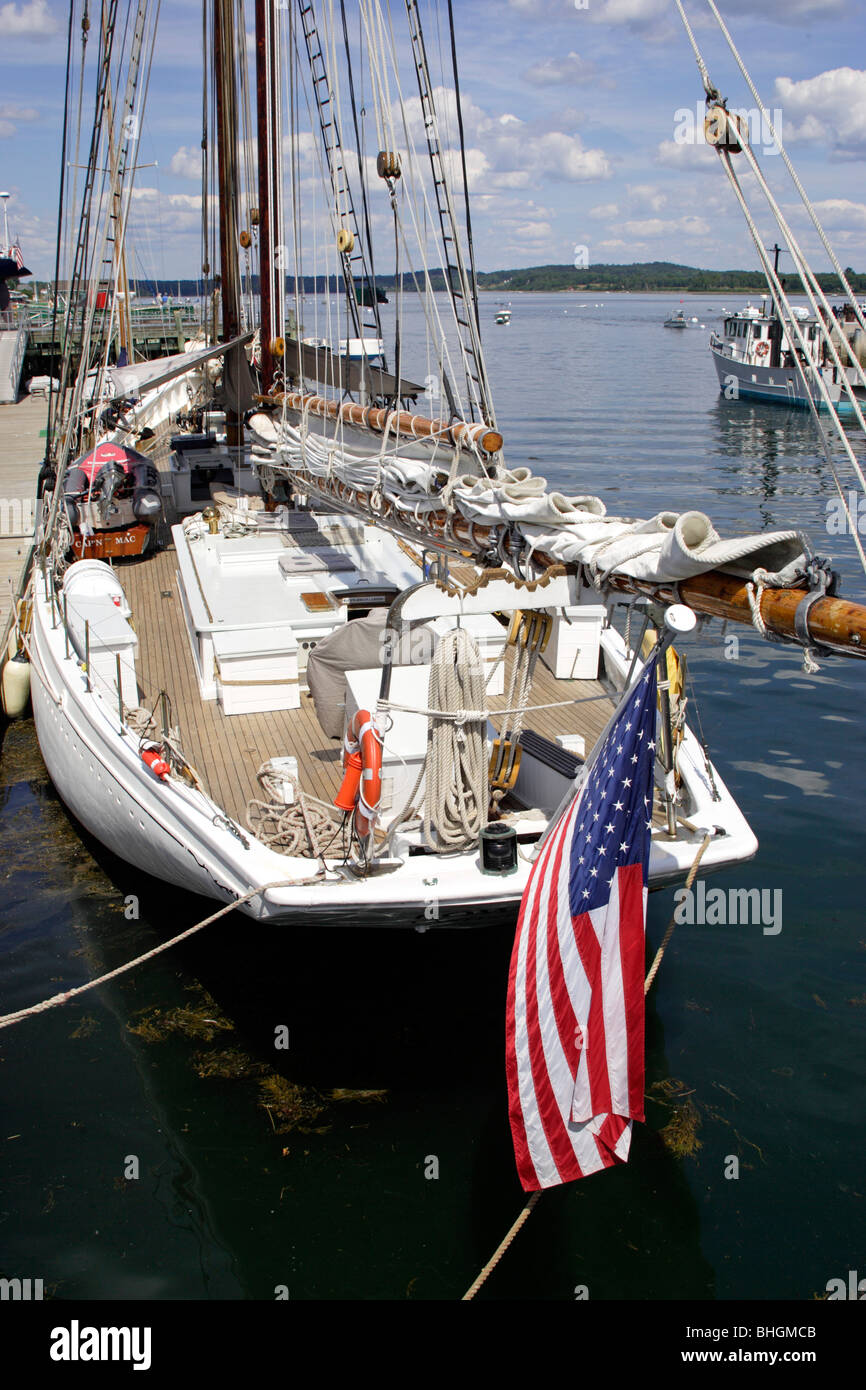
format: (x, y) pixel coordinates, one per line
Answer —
(532, 231)
(694, 158)
(9, 114)
(633, 12)
(169, 212)
(788, 11)
(604, 212)
(829, 108)
(18, 113)
(186, 163)
(647, 195)
(551, 71)
(651, 16)
(657, 226)
(504, 151)
(27, 20)
(841, 212)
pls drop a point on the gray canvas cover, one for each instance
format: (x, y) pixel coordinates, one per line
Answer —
(357, 646)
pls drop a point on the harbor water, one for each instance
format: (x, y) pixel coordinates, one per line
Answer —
(322, 1115)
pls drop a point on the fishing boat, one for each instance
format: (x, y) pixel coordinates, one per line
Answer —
(362, 660)
(757, 358)
(677, 320)
(503, 316)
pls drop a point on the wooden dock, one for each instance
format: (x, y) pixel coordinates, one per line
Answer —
(22, 449)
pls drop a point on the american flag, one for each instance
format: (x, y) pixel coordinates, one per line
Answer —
(575, 1016)
(16, 256)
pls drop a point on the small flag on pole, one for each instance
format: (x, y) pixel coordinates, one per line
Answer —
(15, 253)
(575, 1015)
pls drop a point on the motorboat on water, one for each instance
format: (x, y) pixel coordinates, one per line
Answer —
(757, 357)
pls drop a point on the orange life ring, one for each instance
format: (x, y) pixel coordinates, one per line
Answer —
(762, 349)
(362, 780)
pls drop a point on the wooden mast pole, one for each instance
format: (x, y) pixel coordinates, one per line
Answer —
(268, 170)
(226, 112)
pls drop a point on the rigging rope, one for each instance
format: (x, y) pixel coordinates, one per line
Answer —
(765, 116)
(812, 378)
(455, 800)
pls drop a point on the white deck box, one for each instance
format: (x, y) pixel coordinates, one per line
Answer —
(257, 670)
(575, 643)
(110, 637)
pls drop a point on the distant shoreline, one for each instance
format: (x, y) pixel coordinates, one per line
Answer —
(662, 289)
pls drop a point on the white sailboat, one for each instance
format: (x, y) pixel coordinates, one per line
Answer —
(348, 599)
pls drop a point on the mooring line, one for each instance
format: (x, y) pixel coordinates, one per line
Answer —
(7, 1020)
(502, 1247)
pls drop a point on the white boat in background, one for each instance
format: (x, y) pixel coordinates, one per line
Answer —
(757, 358)
(503, 316)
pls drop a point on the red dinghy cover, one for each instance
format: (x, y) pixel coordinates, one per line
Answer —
(127, 459)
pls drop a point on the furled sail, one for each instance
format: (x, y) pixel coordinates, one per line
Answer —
(131, 383)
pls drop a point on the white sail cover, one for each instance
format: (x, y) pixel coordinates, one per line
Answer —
(131, 383)
(575, 529)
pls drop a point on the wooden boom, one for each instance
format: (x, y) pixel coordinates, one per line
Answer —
(456, 433)
(832, 622)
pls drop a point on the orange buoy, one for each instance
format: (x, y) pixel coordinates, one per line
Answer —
(348, 793)
(362, 783)
(155, 761)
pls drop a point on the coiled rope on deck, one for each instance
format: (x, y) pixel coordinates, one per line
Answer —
(455, 800)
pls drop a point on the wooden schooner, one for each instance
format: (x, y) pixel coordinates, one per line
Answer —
(363, 660)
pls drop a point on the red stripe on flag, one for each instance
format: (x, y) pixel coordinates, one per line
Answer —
(608, 1137)
(549, 1109)
(632, 947)
(595, 1041)
(564, 1015)
(522, 1156)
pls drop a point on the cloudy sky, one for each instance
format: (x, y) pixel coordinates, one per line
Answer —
(579, 118)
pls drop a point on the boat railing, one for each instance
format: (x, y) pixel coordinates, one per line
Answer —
(124, 673)
(15, 317)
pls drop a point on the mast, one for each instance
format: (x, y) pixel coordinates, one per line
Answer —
(226, 113)
(268, 183)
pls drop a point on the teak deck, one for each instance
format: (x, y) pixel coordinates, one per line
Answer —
(227, 750)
